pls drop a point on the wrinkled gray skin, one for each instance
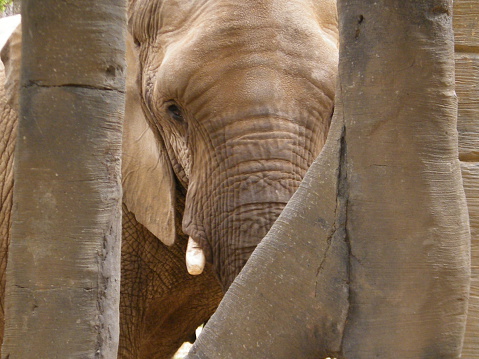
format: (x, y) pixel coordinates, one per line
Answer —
(241, 95)
(228, 104)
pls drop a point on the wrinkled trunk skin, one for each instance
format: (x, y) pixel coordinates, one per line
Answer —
(377, 234)
(62, 290)
(238, 198)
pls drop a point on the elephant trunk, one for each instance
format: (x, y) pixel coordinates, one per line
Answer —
(244, 224)
(248, 180)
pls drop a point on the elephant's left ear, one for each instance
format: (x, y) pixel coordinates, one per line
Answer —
(147, 176)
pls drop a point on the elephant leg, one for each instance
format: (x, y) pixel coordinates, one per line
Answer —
(161, 304)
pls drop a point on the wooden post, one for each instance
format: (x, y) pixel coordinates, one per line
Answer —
(63, 269)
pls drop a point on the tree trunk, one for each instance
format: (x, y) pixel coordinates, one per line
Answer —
(370, 258)
(63, 269)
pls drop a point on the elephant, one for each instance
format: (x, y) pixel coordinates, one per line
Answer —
(227, 105)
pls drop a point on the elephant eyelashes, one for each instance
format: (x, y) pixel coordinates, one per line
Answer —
(175, 113)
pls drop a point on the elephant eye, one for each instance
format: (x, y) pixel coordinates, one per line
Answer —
(175, 113)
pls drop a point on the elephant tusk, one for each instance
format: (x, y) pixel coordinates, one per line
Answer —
(195, 258)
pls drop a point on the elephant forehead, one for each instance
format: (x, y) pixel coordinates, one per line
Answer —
(244, 66)
(215, 30)
(149, 18)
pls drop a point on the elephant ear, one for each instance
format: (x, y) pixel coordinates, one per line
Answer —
(11, 55)
(147, 176)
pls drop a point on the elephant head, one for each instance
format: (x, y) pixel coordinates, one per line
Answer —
(236, 99)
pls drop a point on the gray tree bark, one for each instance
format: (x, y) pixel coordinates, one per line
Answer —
(62, 293)
(370, 258)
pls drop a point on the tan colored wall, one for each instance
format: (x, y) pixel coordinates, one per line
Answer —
(466, 29)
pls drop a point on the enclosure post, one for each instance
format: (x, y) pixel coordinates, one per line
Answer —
(62, 293)
(407, 223)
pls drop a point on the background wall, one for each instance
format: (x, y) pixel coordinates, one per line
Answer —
(466, 30)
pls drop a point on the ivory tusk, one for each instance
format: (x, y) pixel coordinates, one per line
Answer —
(195, 258)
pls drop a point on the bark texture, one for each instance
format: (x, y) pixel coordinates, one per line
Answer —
(370, 258)
(64, 258)
(407, 219)
(8, 125)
